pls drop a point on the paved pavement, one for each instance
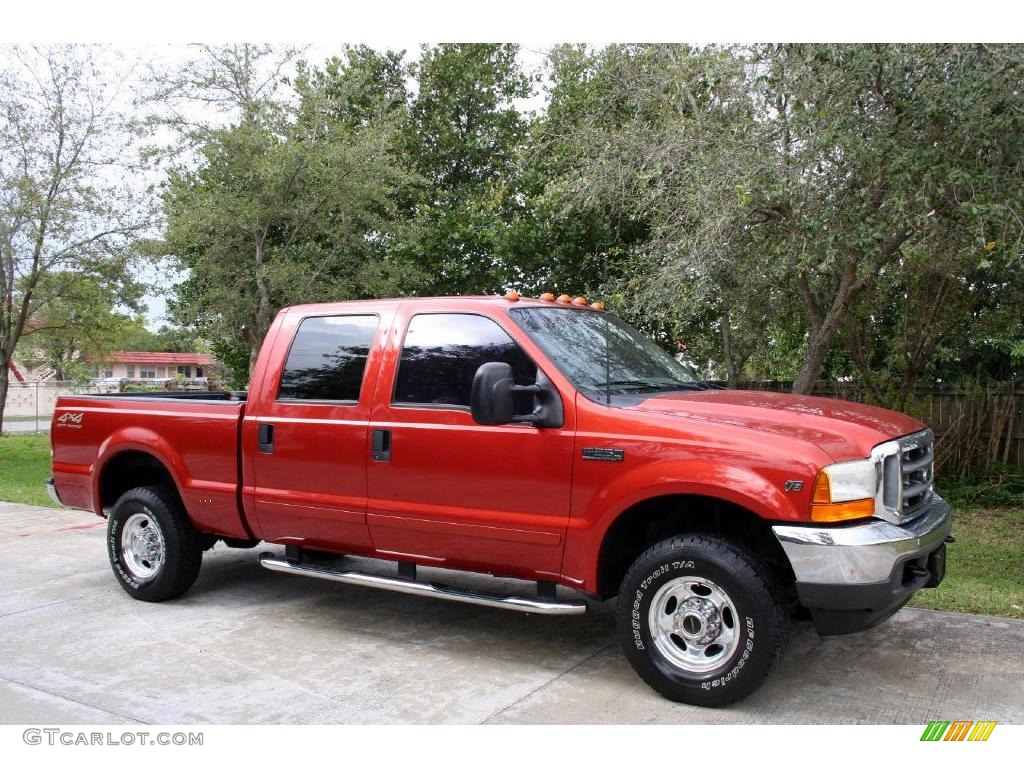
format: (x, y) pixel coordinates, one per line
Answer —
(249, 646)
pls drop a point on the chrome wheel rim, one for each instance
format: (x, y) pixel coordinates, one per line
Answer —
(142, 546)
(694, 624)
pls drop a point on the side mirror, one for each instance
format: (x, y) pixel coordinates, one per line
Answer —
(492, 401)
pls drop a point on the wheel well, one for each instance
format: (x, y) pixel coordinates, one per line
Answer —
(133, 469)
(653, 520)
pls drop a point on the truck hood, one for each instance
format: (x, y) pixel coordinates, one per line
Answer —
(842, 429)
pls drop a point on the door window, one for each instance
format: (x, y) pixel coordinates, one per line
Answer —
(327, 359)
(442, 352)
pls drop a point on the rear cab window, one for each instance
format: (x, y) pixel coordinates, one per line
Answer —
(327, 359)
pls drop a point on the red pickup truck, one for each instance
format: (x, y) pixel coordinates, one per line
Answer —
(540, 439)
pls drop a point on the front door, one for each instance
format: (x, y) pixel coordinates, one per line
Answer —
(443, 489)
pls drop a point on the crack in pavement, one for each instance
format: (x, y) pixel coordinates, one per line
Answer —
(540, 688)
(74, 700)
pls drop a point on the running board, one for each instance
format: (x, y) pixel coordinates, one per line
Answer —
(521, 604)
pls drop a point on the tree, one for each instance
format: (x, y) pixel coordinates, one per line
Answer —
(76, 323)
(784, 187)
(888, 150)
(62, 138)
(462, 138)
(290, 204)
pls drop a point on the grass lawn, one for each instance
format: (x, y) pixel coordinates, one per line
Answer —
(24, 467)
(984, 568)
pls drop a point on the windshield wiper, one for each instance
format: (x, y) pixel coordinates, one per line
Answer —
(646, 385)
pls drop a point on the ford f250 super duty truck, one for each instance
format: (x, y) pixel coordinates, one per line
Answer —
(538, 439)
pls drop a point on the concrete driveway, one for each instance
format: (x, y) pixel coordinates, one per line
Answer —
(250, 646)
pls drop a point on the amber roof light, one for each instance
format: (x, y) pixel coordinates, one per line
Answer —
(512, 295)
(565, 298)
(547, 297)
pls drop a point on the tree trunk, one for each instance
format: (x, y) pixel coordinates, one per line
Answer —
(731, 375)
(262, 308)
(824, 331)
(4, 384)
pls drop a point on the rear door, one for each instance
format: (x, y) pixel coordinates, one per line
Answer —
(445, 489)
(309, 457)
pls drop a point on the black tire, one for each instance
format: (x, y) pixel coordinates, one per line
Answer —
(177, 547)
(675, 568)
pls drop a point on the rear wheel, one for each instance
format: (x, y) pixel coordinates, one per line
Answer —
(701, 620)
(154, 550)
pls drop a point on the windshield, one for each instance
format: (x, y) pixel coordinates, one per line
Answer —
(601, 355)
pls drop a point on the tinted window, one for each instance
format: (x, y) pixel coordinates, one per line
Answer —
(327, 358)
(441, 355)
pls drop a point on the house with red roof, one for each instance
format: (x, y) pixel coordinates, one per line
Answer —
(156, 365)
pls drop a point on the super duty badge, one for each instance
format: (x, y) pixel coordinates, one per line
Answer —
(603, 454)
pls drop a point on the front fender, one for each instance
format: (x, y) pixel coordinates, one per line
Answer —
(592, 519)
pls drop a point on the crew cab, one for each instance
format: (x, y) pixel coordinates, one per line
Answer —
(539, 439)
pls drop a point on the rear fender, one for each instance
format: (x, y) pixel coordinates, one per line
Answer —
(212, 506)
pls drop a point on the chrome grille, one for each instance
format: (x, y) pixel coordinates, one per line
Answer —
(917, 457)
(905, 476)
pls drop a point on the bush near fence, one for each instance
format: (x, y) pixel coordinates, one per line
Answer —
(978, 430)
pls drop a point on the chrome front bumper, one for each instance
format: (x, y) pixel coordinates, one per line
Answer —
(862, 554)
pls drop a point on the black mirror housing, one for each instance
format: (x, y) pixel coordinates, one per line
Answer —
(492, 401)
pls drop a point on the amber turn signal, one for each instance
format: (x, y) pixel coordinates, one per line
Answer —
(843, 510)
(822, 490)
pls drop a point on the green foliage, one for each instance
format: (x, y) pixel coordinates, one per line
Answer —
(75, 322)
(1003, 486)
(62, 210)
(462, 138)
(793, 195)
(283, 210)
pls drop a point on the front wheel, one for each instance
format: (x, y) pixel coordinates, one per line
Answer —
(701, 620)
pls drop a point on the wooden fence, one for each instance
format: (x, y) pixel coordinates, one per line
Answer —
(975, 428)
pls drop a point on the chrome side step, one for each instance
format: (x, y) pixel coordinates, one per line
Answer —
(522, 604)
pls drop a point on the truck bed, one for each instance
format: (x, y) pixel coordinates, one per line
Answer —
(195, 435)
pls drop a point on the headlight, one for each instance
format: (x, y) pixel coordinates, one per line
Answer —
(845, 491)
